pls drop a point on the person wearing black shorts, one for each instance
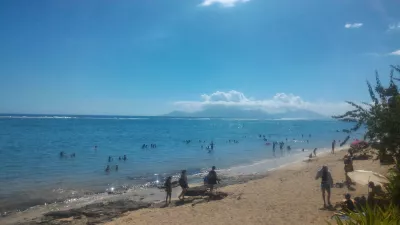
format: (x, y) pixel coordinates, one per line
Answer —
(326, 183)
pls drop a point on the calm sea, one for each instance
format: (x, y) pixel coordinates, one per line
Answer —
(32, 171)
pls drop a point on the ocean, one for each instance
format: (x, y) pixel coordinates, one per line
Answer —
(33, 173)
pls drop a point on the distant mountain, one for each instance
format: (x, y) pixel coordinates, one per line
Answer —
(227, 112)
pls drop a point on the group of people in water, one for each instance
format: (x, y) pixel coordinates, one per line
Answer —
(144, 146)
(65, 155)
(110, 159)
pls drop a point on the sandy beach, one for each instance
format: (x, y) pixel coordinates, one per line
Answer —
(289, 195)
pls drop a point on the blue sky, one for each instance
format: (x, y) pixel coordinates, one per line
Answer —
(151, 57)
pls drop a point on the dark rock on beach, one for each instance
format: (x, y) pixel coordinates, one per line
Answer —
(90, 214)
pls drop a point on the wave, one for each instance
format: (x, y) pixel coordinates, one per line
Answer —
(181, 118)
(38, 117)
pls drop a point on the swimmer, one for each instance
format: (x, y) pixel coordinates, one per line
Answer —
(109, 158)
(62, 154)
(116, 167)
(119, 158)
(125, 158)
(107, 169)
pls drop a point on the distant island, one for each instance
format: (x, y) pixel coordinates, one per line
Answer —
(229, 112)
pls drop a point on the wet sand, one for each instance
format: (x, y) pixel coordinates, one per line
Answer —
(289, 195)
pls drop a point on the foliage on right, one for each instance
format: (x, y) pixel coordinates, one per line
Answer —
(381, 117)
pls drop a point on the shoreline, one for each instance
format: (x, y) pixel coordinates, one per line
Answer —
(146, 189)
(286, 195)
(154, 199)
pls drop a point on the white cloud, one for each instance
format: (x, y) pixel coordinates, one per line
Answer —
(281, 102)
(224, 3)
(353, 25)
(397, 52)
(394, 26)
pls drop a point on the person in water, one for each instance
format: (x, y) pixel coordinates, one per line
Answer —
(125, 158)
(333, 146)
(62, 154)
(184, 185)
(315, 152)
(273, 147)
(326, 183)
(109, 158)
(212, 145)
(108, 169)
(116, 167)
(168, 190)
(212, 178)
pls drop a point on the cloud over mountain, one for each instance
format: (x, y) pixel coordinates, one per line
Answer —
(279, 103)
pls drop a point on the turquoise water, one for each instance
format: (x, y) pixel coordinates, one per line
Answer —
(32, 171)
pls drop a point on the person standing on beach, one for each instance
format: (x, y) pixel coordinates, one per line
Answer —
(184, 185)
(326, 183)
(315, 152)
(212, 178)
(168, 189)
(333, 146)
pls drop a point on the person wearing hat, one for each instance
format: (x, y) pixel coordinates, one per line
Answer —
(184, 184)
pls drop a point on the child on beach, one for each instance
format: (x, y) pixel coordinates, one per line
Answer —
(168, 189)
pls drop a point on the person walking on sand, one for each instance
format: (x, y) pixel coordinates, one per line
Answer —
(168, 189)
(333, 146)
(184, 185)
(326, 183)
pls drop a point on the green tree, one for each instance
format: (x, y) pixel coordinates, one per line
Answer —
(381, 116)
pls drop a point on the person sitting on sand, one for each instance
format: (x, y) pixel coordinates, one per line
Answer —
(184, 185)
(168, 190)
(349, 204)
(212, 178)
(326, 183)
(376, 191)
